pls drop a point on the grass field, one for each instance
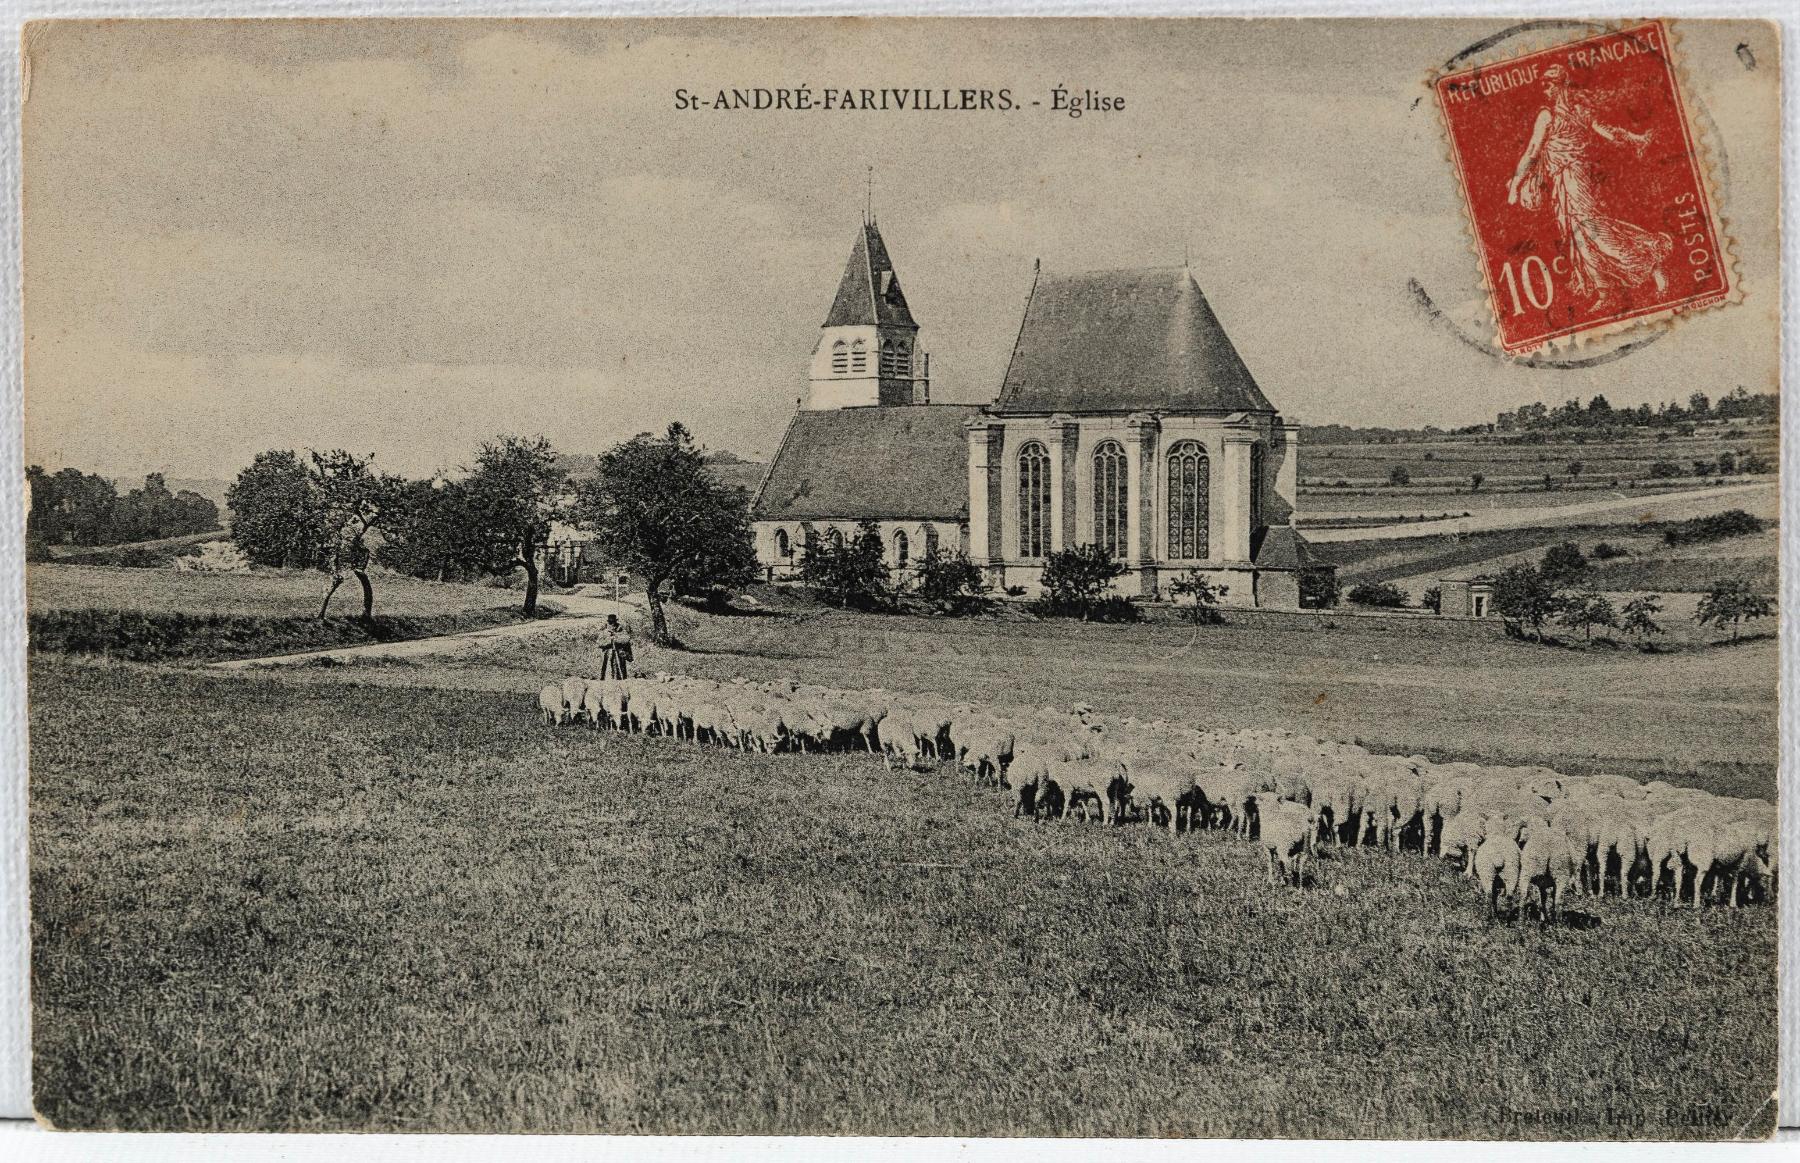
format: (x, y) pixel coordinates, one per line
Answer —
(1651, 566)
(263, 903)
(163, 614)
(163, 550)
(1699, 717)
(271, 592)
(1504, 464)
(1327, 508)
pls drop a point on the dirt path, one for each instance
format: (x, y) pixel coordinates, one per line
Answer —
(582, 609)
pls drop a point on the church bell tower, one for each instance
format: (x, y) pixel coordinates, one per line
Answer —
(868, 352)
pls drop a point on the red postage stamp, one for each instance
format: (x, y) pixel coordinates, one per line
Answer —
(1585, 188)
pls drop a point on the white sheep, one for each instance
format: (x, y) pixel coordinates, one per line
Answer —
(1547, 862)
(550, 705)
(1285, 831)
(902, 736)
(1025, 774)
(983, 745)
(1512, 828)
(1153, 787)
(1082, 780)
(1497, 869)
(573, 688)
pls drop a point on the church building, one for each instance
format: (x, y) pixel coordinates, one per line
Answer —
(1126, 419)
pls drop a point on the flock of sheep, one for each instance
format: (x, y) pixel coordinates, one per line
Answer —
(1526, 835)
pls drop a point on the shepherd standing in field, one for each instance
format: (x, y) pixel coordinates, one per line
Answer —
(615, 648)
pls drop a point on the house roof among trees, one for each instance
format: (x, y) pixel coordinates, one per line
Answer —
(869, 293)
(1127, 340)
(874, 463)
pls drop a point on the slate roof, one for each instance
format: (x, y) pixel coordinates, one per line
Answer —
(864, 296)
(1132, 340)
(880, 463)
(1282, 547)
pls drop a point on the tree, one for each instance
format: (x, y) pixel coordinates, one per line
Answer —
(1562, 562)
(1732, 602)
(1379, 595)
(951, 582)
(351, 500)
(423, 534)
(653, 505)
(1432, 599)
(70, 507)
(1526, 598)
(1584, 611)
(1075, 580)
(1715, 527)
(1398, 475)
(507, 502)
(275, 513)
(40, 519)
(1727, 463)
(725, 560)
(1575, 469)
(853, 573)
(1475, 480)
(1639, 616)
(1204, 607)
(1318, 589)
(315, 514)
(85, 508)
(1699, 407)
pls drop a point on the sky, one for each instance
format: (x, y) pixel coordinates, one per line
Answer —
(403, 238)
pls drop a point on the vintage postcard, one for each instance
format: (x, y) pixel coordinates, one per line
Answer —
(1122, 578)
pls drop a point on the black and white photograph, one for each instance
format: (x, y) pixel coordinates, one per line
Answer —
(973, 578)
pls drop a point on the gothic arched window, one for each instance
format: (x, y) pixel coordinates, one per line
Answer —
(859, 357)
(840, 358)
(1034, 501)
(889, 361)
(931, 540)
(783, 548)
(835, 538)
(902, 550)
(1189, 499)
(1112, 499)
(903, 358)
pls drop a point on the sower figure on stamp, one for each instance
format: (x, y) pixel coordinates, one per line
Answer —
(615, 649)
(1603, 252)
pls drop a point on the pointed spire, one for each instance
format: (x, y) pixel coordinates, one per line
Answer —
(869, 293)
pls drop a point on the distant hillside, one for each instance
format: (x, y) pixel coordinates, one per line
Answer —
(212, 490)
